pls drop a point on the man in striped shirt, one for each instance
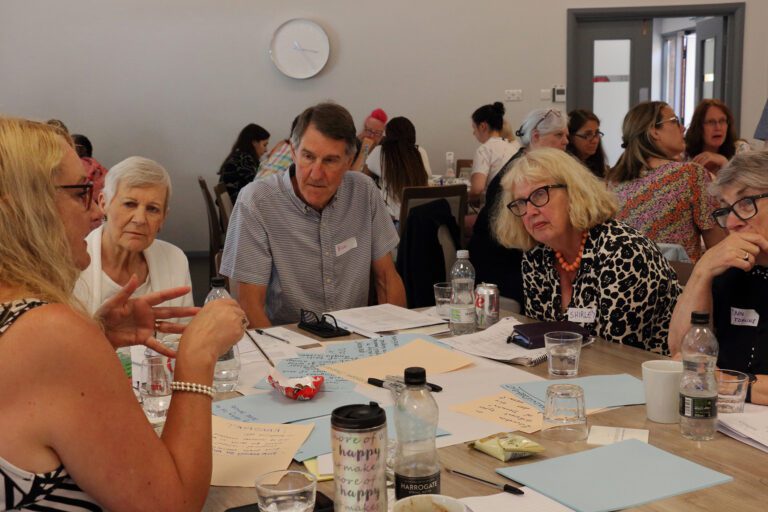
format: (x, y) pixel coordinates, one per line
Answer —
(311, 237)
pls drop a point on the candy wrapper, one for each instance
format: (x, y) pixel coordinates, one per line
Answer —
(506, 446)
(295, 389)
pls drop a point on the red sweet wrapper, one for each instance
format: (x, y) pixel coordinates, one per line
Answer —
(295, 389)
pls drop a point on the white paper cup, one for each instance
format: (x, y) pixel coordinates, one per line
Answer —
(429, 503)
(661, 380)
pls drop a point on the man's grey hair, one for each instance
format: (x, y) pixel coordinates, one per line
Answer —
(330, 119)
(137, 171)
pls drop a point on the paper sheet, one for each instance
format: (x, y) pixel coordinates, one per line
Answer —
(432, 358)
(505, 409)
(531, 501)
(748, 427)
(294, 338)
(601, 435)
(313, 467)
(492, 343)
(384, 318)
(614, 477)
(275, 349)
(600, 391)
(243, 451)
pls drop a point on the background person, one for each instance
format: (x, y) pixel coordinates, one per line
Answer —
(279, 158)
(369, 137)
(578, 259)
(711, 139)
(585, 141)
(242, 164)
(95, 172)
(494, 151)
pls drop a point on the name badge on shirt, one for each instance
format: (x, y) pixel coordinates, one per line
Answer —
(744, 317)
(346, 246)
(582, 315)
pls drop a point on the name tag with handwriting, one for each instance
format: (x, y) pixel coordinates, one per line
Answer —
(346, 246)
(744, 317)
(582, 315)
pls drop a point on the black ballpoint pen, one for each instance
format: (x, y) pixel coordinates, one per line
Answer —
(379, 383)
(265, 333)
(504, 487)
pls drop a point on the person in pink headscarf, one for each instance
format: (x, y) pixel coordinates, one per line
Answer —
(95, 172)
(369, 136)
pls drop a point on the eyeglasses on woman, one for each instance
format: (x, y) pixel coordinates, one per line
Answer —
(538, 198)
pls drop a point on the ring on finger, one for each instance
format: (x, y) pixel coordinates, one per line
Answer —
(746, 256)
(244, 323)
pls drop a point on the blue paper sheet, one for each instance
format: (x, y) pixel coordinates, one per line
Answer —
(613, 477)
(275, 408)
(599, 391)
(319, 441)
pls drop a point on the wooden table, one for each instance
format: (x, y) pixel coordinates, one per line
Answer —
(748, 466)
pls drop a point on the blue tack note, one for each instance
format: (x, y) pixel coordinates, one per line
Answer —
(613, 477)
(599, 391)
(275, 408)
(319, 441)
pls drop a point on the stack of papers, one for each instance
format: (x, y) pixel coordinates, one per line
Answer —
(382, 318)
(748, 427)
(492, 343)
(600, 391)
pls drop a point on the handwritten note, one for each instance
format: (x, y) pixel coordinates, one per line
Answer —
(242, 451)
(505, 409)
(432, 358)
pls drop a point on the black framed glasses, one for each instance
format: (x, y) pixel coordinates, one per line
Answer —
(673, 119)
(85, 194)
(744, 209)
(538, 198)
(589, 135)
(324, 326)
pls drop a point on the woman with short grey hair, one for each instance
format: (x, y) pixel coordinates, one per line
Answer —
(729, 281)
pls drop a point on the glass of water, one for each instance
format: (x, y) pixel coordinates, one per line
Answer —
(443, 299)
(565, 417)
(156, 387)
(286, 491)
(731, 390)
(563, 350)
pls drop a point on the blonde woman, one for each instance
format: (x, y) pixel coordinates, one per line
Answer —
(72, 434)
(578, 262)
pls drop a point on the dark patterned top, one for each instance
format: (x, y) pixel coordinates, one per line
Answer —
(623, 279)
(238, 170)
(23, 490)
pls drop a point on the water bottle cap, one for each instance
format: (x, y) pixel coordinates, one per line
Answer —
(218, 282)
(415, 376)
(699, 318)
(358, 416)
(462, 254)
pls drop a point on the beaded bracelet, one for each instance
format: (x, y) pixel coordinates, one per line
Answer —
(192, 387)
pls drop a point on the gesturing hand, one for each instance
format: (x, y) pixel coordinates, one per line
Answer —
(136, 321)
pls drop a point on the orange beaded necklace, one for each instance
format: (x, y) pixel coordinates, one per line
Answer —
(570, 267)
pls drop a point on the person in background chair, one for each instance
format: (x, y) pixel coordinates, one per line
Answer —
(369, 137)
(95, 172)
(242, 164)
(585, 141)
(494, 151)
(279, 158)
(711, 139)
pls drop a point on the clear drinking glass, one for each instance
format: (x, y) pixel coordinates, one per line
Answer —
(565, 418)
(286, 491)
(731, 390)
(443, 299)
(156, 387)
(563, 350)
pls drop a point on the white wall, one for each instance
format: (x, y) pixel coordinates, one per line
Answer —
(175, 80)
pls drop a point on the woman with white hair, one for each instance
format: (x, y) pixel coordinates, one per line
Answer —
(135, 205)
(542, 128)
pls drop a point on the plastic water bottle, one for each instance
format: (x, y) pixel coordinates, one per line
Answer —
(462, 318)
(417, 469)
(227, 370)
(450, 165)
(698, 387)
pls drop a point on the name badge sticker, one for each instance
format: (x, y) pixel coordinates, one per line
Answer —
(582, 315)
(744, 317)
(346, 246)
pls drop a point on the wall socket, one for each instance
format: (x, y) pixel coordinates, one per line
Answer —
(545, 94)
(513, 95)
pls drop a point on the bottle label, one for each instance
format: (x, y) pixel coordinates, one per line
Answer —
(462, 315)
(698, 407)
(412, 485)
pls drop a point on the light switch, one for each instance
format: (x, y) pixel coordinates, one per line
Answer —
(513, 95)
(545, 94)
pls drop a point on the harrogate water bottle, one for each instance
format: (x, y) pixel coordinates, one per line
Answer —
(227, 370)
(698, 387)
(462, 318)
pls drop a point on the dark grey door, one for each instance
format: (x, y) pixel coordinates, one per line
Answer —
(710, 58)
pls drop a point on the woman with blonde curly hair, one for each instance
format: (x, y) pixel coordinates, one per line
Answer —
(578, 261)
(72, 434)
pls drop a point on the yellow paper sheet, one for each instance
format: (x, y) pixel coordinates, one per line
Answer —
(505, 409)
(312, 467)
(243, 451)
(432, 358)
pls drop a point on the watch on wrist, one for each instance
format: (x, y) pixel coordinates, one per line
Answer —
(752, 379)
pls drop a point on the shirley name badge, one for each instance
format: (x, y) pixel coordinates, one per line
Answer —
(346, 246)
(582, 315)
(744, 317)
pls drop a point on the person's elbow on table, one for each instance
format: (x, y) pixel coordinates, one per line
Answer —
(253, 300)
(389, 286)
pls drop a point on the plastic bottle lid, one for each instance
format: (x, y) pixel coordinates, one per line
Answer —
(462, 254)
(700, 318)
(415, 376)
(218, 282)
(358, 416)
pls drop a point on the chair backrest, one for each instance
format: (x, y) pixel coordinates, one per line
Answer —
(683, 269)
(215, 238)
(225, 206)
(449, 249)
(463, 168)
(456, 195)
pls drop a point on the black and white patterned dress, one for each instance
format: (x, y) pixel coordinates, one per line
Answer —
(23, 490)
(622, 277)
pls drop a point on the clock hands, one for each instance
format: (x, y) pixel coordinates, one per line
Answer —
(298, 47)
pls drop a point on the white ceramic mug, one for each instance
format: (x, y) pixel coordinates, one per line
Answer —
(661, 380)
(429, 503)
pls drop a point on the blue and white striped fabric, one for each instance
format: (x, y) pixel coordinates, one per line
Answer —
(319, 261)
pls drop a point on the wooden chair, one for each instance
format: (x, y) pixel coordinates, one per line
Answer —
(215, 236)
(225, 206)
(464, 168)
(683, 269)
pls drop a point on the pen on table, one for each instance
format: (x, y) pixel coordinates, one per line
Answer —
(265, 333)
(504, 487)
(379, 383)
(271, 363)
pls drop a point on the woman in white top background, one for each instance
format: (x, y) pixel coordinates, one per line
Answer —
(494, 152)
(399, 162)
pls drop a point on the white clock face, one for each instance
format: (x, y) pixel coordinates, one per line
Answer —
(299, 48)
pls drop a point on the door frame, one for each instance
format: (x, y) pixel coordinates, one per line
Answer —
(734, 40)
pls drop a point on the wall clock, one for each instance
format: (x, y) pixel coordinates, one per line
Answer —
(299, 48)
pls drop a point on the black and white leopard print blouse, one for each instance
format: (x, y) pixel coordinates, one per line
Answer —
(622, 277)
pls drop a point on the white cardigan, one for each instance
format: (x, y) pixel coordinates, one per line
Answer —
(168, 268)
